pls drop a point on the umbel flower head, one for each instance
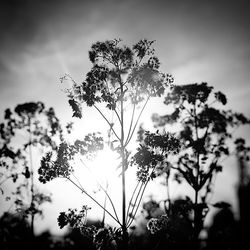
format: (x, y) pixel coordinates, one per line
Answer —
(61, 167)
(119, 73)
(73, 218)
(152, 152)
(155, 225)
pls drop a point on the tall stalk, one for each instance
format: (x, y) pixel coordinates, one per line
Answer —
(168, 196)
(32, 181)
(104, 205)
(120, 74)
(197, 218)
(124, 228)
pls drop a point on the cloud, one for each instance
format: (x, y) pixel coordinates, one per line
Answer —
(187, 32)
(29, 24)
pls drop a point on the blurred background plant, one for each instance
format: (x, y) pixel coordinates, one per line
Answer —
(26, 133)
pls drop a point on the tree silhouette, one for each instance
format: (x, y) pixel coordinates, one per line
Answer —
(27, 129)
(120, 77)
(205, 132)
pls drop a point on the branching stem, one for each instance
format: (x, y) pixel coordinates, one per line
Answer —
(138, 118)
(135, 204)
(32, 180)
(104, 190)
(139, 202)
(132, 196)
(111, 125)
(93, 199)
(131, 123)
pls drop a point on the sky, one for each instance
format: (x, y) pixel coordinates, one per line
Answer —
(195, 40)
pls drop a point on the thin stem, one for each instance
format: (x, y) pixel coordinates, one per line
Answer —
(210, 104)
(189, 112)
(209, 179)
(131, 123)
(168, 194)
(197, 184)
(136, 199)
(32, 180)
(93, 199)
(111, 125)
(77, 180)
(123, 166)
(138, 118)
(103, 189)
(68, 77)
(104, 205)
(138, 204)
(195, 122)
(119, 118)
(197, 157)
(130, 202)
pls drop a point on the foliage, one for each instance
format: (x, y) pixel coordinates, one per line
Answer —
(74, 219)
(102, 237)
(120, 77)
(66, 153)
(152, 153)
(204, 131)
(171, 230)
(29, 127)
(242, 150)
(111, 64)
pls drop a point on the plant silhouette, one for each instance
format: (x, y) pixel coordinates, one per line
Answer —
(27, 129)
(121, 77)
(205, 133)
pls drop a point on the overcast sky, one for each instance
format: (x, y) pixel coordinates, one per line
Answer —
(196, 40)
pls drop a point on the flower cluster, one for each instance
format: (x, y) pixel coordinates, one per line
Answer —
(73, 218)
(29, 109)
(145, 159)
(92, 143)
(102, 238)
(155, 225)
(105, 238)
(167, 142)
(242, 150)
(119, 73)
(61, 167)
(153, 151)
(189, 93)
(50, 169)
(146, 80)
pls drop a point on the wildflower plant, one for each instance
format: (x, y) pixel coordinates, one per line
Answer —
(205, 132)
(122, 80)
(28, 128)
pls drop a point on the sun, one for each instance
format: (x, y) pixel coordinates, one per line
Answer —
(105, 166)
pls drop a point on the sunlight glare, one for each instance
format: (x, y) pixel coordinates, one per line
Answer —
(105, 166)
